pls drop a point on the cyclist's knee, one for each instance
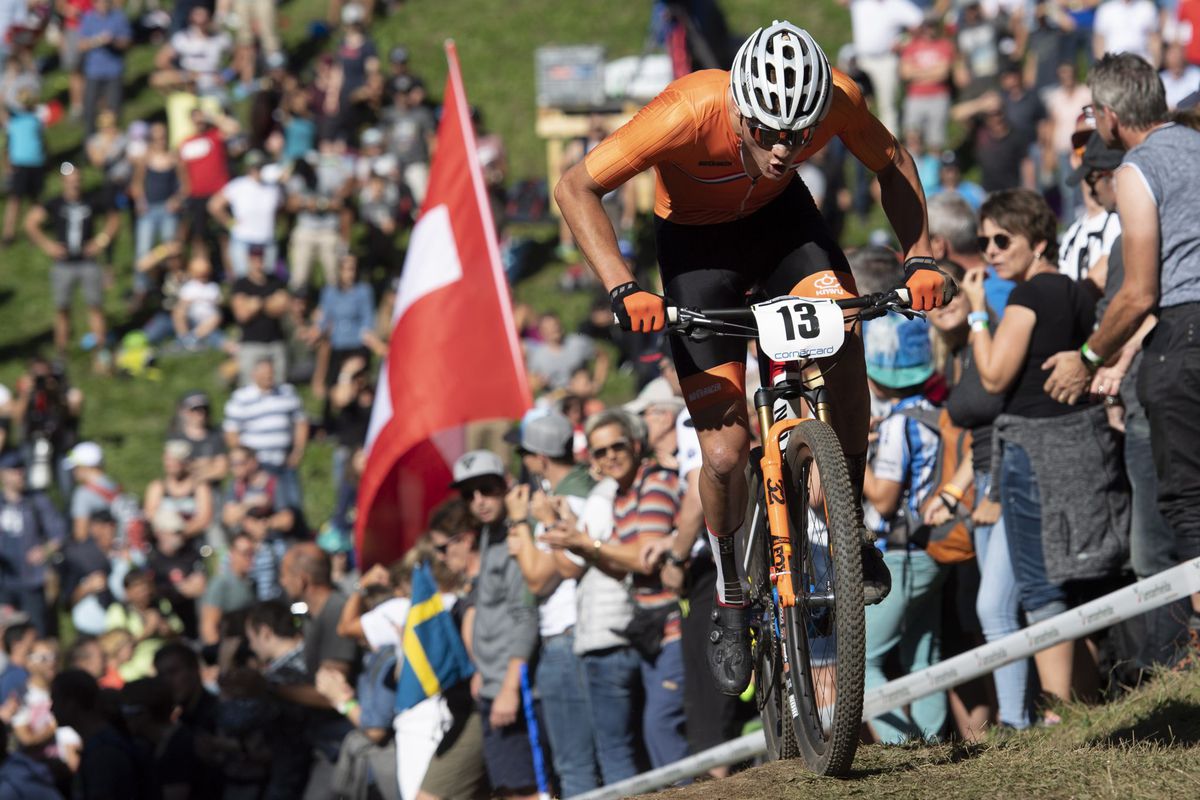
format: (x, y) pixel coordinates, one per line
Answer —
(725, 455)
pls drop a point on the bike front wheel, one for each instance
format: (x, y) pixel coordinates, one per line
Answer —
(825, 632)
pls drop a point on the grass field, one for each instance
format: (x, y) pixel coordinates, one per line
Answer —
(1145, 746)
(496, 47)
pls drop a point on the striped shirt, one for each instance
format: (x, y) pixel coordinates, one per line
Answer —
(907, 454)
(647, 511)
(265, 422)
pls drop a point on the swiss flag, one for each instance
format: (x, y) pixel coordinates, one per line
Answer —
(453, 357)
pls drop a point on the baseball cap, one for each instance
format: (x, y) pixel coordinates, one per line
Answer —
(399, 55)
(85, 454)
(476, 464)
(548, 434)
(257, 250)
(168, 519)
(178, 449)
(371, 137)
(255, 158)
(655, 393)
(10, 616)
(1097, 157)
(193, 400)
(949, 158)
(12, 459)
(899, 352)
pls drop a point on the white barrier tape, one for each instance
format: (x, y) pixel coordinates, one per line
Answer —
(743, 748)
(1145, 595)
(1134, 600)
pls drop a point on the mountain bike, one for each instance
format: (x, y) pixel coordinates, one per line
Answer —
(801, 541)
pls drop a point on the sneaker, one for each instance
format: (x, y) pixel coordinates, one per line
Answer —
(729, 649)
(877, 579)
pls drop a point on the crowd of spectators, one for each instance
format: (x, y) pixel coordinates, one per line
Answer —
(208, 639)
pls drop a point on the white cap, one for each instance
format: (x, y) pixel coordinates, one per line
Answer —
(655, 393)
(476, 464)
(85, 454)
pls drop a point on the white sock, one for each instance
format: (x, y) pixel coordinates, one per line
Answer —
(729, 584)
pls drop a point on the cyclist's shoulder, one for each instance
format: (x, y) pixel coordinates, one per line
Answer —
(847, 104)
(701, 93)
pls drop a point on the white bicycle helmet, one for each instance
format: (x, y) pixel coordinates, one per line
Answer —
(781, 78)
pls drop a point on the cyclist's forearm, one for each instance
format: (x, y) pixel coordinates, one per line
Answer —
(904, 203)
(579, 200)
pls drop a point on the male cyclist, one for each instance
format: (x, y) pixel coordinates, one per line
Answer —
(731, 216)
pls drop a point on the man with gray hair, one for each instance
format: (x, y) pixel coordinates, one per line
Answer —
(1158, 199)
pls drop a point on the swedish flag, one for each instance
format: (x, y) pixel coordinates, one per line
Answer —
(434, 655)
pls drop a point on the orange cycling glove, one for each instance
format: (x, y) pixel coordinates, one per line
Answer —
(638, 310)
(929, 286)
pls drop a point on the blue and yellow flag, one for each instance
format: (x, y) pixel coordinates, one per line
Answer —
(434, 657)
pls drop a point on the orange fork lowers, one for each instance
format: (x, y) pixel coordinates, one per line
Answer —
(776, 498)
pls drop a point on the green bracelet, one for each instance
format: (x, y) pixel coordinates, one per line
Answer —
(1091, 357)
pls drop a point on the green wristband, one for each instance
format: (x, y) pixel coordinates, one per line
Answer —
(1091, 357)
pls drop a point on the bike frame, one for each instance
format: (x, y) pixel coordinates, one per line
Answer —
(810, 387)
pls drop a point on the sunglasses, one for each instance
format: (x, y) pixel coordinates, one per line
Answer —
(1095, 177)
(444, 546)
(619, 446)
(1003, 242)
(491, 488)
(766, 138)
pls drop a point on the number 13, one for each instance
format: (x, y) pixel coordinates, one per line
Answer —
(806, 323)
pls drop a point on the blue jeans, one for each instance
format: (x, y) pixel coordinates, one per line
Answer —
(287, 486)
(155, 226)
(564, 708)
(1021, 502)
(1151, 540)
(997, 605)
(910, 618)
(239, 257)
(663, 719)
(612, 677)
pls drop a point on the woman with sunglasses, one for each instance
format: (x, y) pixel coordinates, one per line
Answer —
(1056, 515)
(730, 216)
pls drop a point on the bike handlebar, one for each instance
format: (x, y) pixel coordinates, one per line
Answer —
(679, 318)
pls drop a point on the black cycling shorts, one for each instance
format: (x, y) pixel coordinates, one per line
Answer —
(784, 247)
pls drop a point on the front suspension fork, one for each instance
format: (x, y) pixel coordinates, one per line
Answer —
(773, 433)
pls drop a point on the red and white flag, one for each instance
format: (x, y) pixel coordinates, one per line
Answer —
(453, 357)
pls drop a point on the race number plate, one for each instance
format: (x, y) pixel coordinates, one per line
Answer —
(794, 328)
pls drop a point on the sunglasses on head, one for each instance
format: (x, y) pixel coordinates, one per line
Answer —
(1003, 241)
(444, 546)
(766, 138)
(619, 446)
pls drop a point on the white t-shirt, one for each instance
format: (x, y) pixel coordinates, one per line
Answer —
(384, 624)
(1086, 242)
(203, 300)
(200, 53)
(557, 612)
(1127, 26)
(877, 24)
(687, 453)
(253, 205)
(1181, 87)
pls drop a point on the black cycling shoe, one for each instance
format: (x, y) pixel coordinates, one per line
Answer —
(877, 579)
(729, 649)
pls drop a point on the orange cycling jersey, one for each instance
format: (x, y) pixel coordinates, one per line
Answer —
(687, 135)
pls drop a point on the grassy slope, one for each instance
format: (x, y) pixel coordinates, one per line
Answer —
(1146, 745)
(496, 46)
